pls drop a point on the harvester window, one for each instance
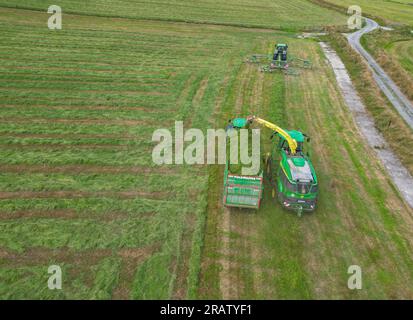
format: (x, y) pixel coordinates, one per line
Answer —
(284, 145)
(314, 189)
(289, 186)
(304, 188)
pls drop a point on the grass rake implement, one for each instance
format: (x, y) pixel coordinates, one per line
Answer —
(280, 60)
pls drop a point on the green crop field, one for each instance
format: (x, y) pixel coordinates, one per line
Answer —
(392, 11)
(79, 189)
(78, 186)
(295, 14)
(271, 253)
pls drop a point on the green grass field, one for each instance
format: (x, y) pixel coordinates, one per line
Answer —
(398, 45)
(404, 53)
(293, 15)
(393, 50)
(271, 254)
(391, 11)
(78, 187)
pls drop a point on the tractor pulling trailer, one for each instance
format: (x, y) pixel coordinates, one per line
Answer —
(287, 168)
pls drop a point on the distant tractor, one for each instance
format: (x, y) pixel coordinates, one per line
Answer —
(280, 60)
(289, 171)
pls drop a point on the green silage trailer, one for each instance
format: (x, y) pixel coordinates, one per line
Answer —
(242, 191)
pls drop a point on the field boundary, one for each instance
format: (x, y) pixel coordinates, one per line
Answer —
(384, 82)
(395, 169)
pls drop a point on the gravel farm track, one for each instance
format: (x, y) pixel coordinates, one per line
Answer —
(400, 102)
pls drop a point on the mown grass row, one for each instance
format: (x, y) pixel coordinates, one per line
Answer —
(91, 96)
(89, 207)
(132, 230)
(107, 271)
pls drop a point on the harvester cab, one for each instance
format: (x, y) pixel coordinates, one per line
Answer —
(298, 136)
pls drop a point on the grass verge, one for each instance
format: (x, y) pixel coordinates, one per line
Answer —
(396, 132)
(393, 51)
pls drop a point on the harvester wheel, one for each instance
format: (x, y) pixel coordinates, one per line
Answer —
(268, 164)
(280, 197)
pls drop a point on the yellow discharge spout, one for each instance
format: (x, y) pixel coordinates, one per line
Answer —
(291, 142)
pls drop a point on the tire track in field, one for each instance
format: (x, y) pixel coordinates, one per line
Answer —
(233, 275)
(213, 224)
(244, 80)
(185, 91)
(315, 260)
(131, 259)
(220, 99)
(225, 274)
(243, 222)
(181, 268)
(227, 285)
(197, 99)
